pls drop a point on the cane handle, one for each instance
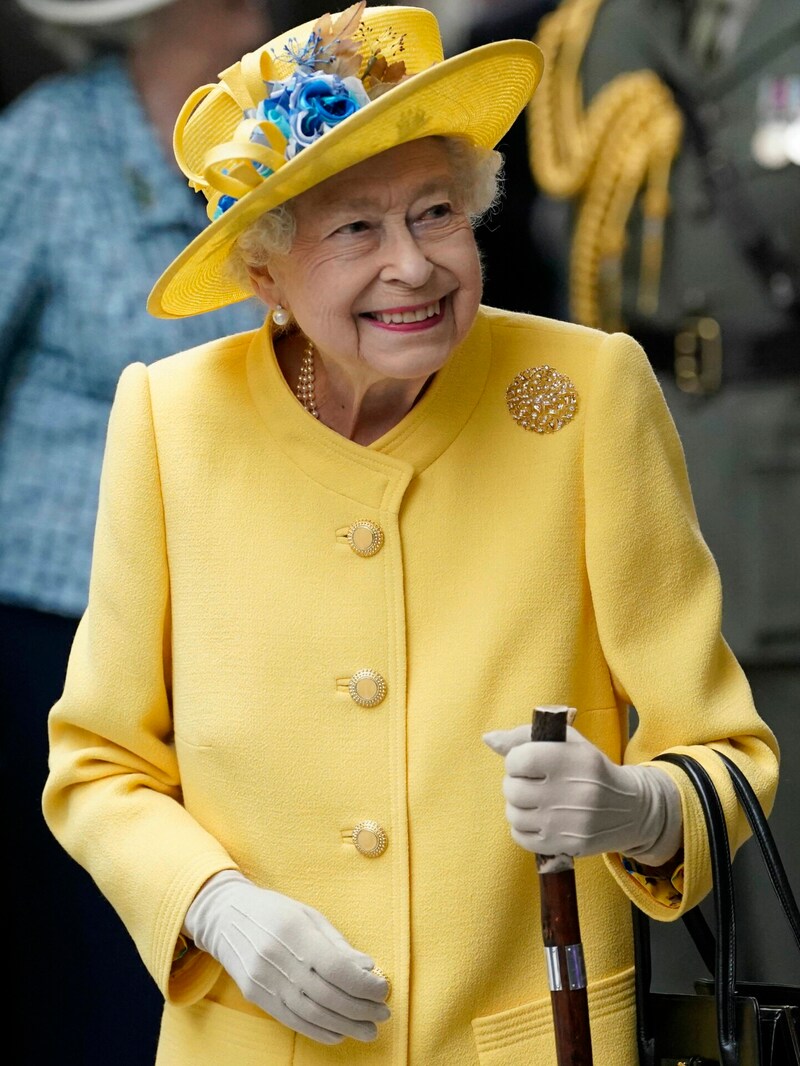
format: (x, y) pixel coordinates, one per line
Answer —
(550, 721)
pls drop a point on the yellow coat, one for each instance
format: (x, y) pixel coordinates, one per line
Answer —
(207, 721)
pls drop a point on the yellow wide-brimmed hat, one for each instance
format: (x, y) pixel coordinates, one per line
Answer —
(313, 102)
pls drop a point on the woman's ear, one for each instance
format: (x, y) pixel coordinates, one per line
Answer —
(264, 285)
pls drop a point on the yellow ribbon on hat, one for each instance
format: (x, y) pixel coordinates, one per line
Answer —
(226, 166)
(229, 169)
(196, 181)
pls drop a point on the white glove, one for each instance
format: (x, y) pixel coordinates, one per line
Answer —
(571, 799)
(287, 959)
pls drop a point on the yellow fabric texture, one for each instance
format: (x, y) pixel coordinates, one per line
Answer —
(206, 722)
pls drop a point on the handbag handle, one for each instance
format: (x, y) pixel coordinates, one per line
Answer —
(723, 946)
(766, 842)
(695, 922)
(722, 880)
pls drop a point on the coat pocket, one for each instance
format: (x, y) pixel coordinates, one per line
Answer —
(209, 1033)
(524, 1035)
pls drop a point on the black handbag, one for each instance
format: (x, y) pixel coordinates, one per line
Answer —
(726, 1022)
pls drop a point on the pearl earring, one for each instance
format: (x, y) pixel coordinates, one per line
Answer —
(280, 316)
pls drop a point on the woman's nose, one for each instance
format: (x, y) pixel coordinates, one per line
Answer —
(404, 259)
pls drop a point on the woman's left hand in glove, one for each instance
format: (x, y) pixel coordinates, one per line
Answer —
(571, 799)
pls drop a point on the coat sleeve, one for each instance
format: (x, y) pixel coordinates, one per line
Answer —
(658, 603)
(113, 795)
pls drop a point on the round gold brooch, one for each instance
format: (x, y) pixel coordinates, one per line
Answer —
(542, 400)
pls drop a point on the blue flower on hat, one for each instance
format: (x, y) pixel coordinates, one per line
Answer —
(224, 204)
(278, 116)
(301, 108)
(268, 111)
(306, 106)
(322, 101)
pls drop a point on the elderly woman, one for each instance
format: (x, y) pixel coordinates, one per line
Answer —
(340, 558)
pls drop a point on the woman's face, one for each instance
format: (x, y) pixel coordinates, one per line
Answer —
(384, 275)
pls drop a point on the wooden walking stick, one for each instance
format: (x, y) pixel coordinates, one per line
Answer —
(561, 932)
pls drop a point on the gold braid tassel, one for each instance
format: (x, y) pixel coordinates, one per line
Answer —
(610, 155)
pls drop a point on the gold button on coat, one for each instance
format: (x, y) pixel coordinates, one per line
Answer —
(377, 970)
(370, 839)
(365, 538)
(367, 688)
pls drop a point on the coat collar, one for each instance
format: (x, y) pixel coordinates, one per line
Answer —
(378, 475)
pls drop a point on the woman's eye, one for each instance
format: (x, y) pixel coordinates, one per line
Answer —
(438, 211)
(353, 227)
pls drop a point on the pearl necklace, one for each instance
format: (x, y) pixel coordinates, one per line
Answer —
(305, 382)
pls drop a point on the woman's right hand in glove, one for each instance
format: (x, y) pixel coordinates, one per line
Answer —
(287, 959)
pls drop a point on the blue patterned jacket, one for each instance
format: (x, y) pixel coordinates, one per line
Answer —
(90, 214)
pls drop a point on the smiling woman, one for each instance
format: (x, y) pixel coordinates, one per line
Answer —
(341, 556)
(383, 280)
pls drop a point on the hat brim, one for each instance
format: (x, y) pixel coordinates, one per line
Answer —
(89, 12)
(477, 94)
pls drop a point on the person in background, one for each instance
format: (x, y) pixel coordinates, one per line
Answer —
(338, 560)
(93, 204)
(677, 181)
